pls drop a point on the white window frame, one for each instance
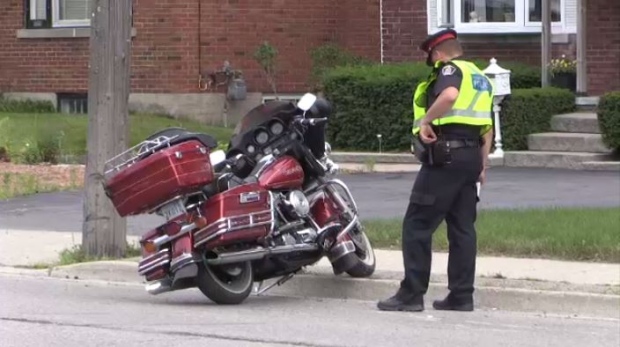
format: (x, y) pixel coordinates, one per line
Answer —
(65, 23)
(522, 24)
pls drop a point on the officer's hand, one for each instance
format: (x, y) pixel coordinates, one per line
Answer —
(427, 134)
(483, 176)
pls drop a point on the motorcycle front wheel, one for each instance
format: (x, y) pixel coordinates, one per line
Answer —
(366, 261)
(225, 284)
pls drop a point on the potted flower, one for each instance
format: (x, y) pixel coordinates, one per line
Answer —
(563, 73)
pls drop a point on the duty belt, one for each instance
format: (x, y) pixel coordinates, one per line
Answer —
(463, 143)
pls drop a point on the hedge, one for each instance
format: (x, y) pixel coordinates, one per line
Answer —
(25, 106)
(609, 119)
(376, 99)
(529, 111)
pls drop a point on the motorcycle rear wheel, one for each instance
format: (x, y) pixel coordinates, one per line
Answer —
(366, 261)
(225, 285)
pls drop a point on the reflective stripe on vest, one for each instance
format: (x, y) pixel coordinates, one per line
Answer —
(458, 115)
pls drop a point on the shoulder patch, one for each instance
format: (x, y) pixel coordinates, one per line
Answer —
(448, 70)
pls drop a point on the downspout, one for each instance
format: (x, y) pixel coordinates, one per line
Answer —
(381, 28)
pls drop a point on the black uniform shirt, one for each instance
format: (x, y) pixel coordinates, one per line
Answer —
(450, 75)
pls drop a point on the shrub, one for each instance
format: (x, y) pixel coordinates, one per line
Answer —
(522, 76)
(609, 119)
(529, 111)
(329, 56)
(42, 144)
(377, 99)
(25, 106)
(371, 100)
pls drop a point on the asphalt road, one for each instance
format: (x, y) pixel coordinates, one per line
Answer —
(378, 195)
(51, 312)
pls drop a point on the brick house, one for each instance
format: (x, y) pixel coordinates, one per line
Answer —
(44, 43)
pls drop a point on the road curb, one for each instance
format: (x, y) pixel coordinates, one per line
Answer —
(536, 296)
(486, 298)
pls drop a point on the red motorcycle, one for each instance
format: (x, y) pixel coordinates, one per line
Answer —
(266, 208)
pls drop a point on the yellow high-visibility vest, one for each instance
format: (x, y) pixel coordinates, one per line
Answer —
(473, 106)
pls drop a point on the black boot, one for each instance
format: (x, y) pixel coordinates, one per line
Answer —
(402, 301)
(451, 303)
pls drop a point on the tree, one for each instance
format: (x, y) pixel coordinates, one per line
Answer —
(104, 231)
(266, 56)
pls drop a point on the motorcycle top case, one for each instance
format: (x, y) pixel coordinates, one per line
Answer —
(176, 170)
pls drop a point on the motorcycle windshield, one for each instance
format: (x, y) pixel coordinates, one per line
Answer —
(261, 114)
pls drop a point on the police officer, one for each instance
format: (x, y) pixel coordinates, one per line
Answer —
(452, 129)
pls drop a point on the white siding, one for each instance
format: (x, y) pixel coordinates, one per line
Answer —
(432, 15)
(570, 11)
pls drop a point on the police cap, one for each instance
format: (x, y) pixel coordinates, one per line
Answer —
(433, 40)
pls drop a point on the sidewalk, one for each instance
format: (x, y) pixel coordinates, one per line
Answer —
(31, 247)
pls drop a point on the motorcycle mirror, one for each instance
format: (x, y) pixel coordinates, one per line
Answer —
(328, 148)
(306, 102)
(217, 157)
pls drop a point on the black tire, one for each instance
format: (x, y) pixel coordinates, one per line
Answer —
(366, 260)
(223, 288)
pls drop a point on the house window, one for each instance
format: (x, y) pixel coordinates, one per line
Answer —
(57, 13)
(76, 103)
(496, 16)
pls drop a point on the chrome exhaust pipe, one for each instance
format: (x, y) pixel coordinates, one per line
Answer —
(259, 253)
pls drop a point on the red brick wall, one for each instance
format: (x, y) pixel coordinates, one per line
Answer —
(167, 56)
(405, 26)
(41, 65)
(603, 45)
(177, 40)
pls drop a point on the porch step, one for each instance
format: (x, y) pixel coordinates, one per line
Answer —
(567, 142)
(579, 122)
(556, 160)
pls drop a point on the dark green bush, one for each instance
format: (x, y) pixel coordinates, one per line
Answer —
(609, 119)
(371, 100)
(377, 99)
(522, 76)
(529, 111)
(25, 106)
(329, 56)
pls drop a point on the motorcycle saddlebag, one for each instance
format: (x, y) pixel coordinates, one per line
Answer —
(241, 214)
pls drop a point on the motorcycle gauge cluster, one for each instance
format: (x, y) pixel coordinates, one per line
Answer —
(276, 128)
(261, 137)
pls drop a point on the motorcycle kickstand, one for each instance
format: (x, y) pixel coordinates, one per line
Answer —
(279, 282)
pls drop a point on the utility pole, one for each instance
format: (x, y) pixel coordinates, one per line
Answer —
(545, 41)
(104, 231)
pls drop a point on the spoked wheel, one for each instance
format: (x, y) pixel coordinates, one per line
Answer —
(366, 261)
(225, 284)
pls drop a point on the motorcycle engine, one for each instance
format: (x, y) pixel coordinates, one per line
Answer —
(296, 205)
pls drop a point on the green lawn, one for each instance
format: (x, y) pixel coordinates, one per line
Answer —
(71, 130)
(582, 234)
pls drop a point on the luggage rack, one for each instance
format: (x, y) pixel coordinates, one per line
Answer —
(135, 154)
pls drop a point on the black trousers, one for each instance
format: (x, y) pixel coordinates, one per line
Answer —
(443, 193)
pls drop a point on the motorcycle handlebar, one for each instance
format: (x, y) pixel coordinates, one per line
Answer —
(312, 121)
